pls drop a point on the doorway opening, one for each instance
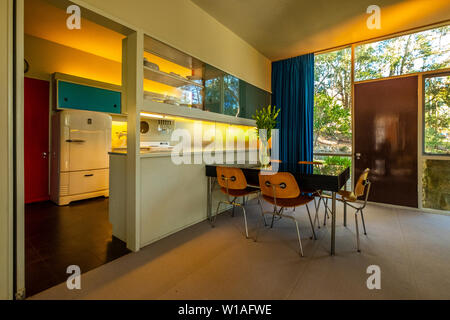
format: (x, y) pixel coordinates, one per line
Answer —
(72, 95)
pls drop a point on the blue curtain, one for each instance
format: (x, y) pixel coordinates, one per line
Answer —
(293, 92)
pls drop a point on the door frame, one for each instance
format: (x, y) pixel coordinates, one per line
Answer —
(14, 234)
(7, 243)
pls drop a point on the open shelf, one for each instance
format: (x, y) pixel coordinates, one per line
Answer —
(167, 78)
(193, 113)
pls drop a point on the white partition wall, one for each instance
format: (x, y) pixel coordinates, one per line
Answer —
(6, 157)
(133, 48)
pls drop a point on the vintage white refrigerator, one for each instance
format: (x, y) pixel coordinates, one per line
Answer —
(81, 141)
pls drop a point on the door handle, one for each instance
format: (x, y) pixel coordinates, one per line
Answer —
(44, 155)
(358, 156)
(75, 140)
(89, 175)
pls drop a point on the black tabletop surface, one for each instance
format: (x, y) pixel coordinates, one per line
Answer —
(312, 177)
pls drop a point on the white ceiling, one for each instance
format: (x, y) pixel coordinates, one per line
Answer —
(285, 28)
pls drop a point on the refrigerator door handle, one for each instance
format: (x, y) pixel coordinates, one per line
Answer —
(75, 140)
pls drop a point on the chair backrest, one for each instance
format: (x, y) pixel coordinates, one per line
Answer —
(281, 185)
(361, 183)
(231, 178)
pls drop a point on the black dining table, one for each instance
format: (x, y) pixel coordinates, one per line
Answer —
(325, 177)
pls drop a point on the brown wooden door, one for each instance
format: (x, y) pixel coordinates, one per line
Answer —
(385, 125)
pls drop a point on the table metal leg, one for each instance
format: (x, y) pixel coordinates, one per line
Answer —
(209, 199)
(345, 209)
(333, 222)
(345, 214)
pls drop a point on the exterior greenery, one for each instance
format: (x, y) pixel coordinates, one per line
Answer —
(422, 51)
(417, 52)
(436, 184)
(332, 102)
(437, 115)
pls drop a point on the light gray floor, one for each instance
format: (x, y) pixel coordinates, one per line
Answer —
(411, 248)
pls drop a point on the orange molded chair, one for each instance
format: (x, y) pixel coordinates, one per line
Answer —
(281, 190)
(350, 198)
(315, 193)
(362, 188)
(233, 183)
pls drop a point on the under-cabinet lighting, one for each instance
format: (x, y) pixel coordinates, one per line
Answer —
(151, 115)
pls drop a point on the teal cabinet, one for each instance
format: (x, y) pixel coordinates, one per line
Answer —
(76, 96)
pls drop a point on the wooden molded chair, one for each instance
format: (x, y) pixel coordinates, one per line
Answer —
(350, 198)
(233, 183)
(281, 189)
(315, 193)
(362, 188)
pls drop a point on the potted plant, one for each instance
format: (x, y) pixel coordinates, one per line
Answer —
(266, 120)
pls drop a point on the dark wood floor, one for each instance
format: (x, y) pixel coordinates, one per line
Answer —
(56, 237)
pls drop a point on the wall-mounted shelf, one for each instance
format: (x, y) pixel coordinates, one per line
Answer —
(193, 113)
(167, 78)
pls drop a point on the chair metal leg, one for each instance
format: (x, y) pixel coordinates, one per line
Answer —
(326, 213)
(213, 221)
(232, 212)
(245, 221)
(310, 221)
(357, 231)
(316, 216)
(260, 226)
(345, 214)
(363, 223)
(273, 216)
(299, 239)
(262, 212)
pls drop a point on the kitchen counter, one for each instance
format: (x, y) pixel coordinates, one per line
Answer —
(173, 196)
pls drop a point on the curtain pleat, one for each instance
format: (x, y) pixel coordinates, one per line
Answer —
(293, 92)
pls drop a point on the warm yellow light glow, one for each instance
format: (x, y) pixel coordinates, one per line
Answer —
(152, 115)
(45, 21)
(167, 66)
(119, 134)
(394, 18)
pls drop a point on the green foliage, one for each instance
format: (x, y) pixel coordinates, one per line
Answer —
(266, 118)
(336, 160)
(422, 51)
(417, 52)
(332, 101)
(437, 115)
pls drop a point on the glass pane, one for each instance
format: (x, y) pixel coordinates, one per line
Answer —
(421, 51)
(251, 98)
(231, 95)
(339, 160)
(437, 115)
(435, 184)
(332, 102)
(213, 89)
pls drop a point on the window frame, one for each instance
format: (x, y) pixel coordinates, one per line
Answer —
(427, 75)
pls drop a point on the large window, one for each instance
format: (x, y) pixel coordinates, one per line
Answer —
(437, 115)
(332, 102)
(417, 52)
